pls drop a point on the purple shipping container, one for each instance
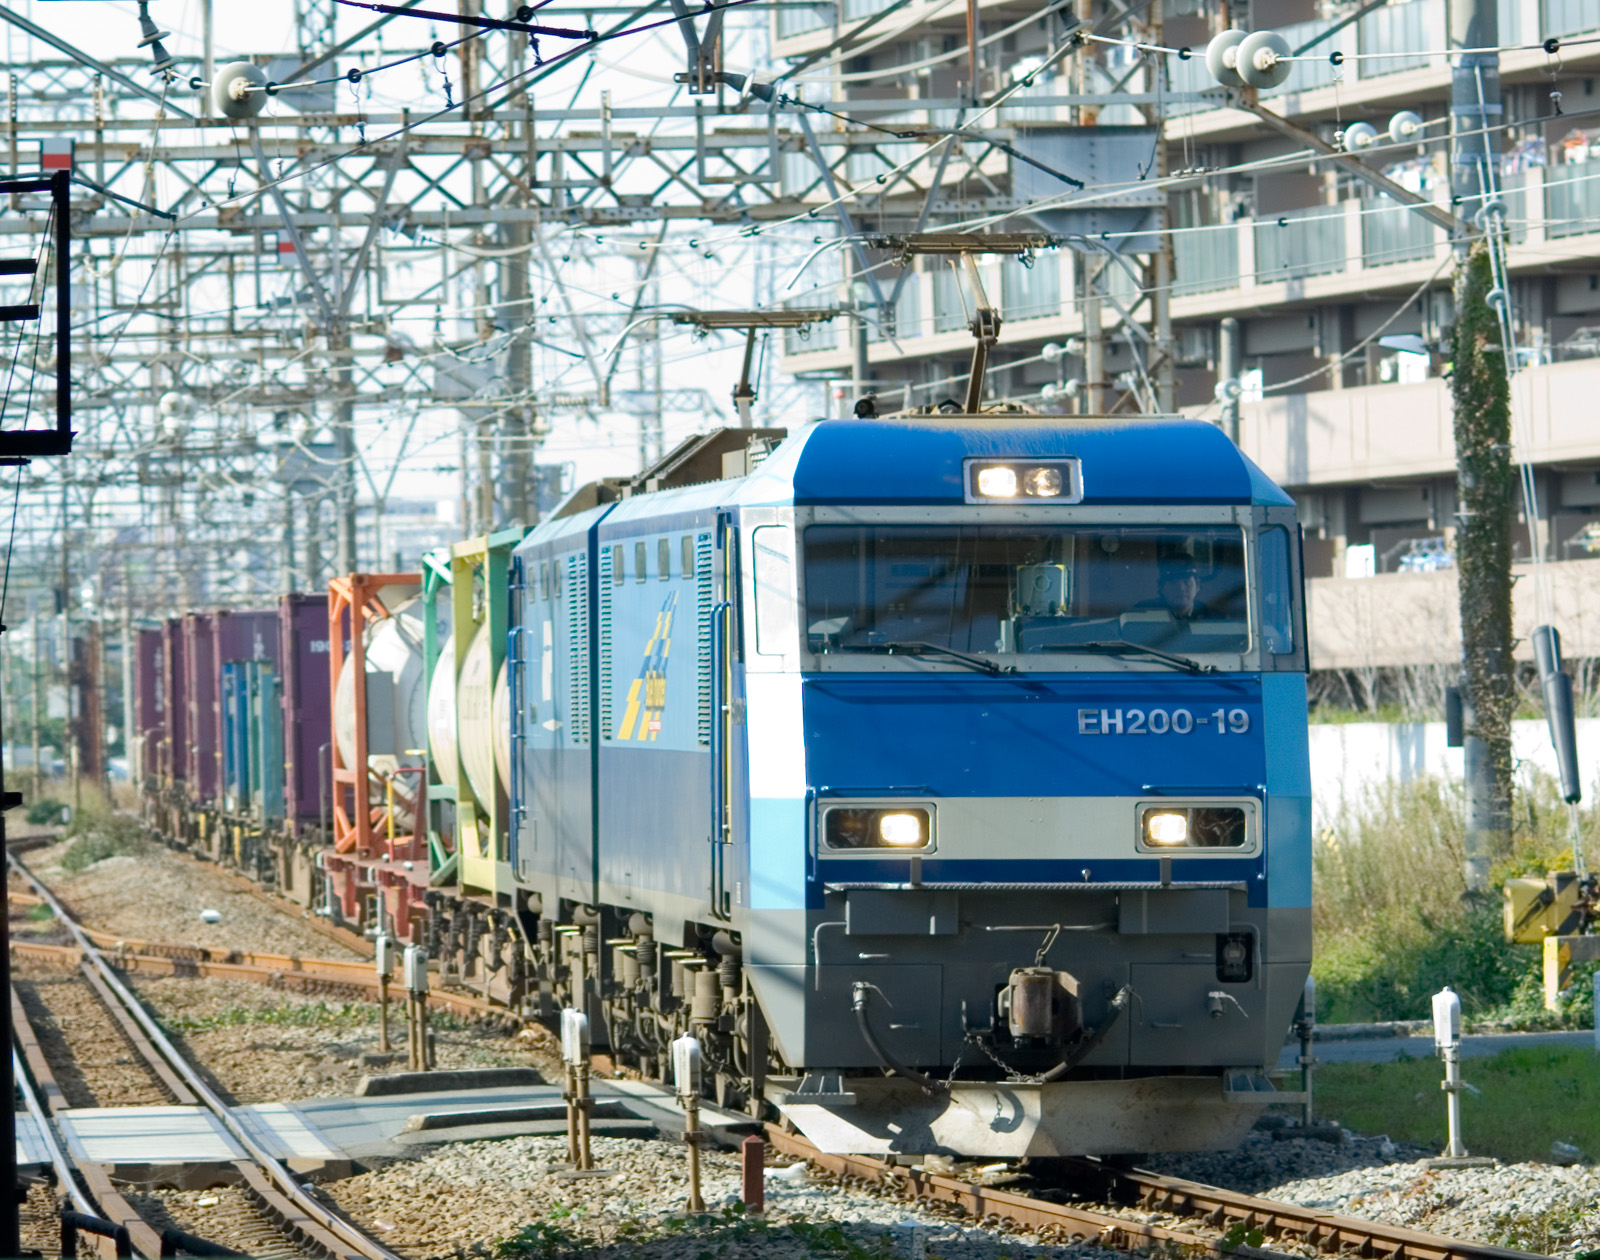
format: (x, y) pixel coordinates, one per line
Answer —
(149, 704)
(200, 690)
(173, 762)
(238, 636)
(307, 717)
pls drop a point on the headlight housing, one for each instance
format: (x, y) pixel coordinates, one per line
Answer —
(1023, 481)
(1166, 828)
(894, 828)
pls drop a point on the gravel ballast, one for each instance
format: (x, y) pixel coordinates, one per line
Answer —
(518, 1190)
(1541, 1208)
(151, 893)
(274, 1045)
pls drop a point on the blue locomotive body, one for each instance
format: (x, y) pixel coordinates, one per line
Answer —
(947, 775)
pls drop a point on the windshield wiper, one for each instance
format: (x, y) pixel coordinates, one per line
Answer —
(1122, 647)
(917, 647)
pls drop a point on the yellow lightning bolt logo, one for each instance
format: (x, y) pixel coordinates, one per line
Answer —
(647, 696)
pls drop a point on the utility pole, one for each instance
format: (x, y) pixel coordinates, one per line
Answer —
(38, 702)
(1165, 367)
(1485, 483)
(345, 445)
(1228, 369)
(132, 737)
(516, 426)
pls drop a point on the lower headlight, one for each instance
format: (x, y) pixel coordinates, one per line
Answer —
(1194, 827)
(1166, 829)
(869, 827)
(901, 830)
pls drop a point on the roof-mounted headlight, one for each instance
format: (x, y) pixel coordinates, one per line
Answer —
(1023, 480)
(997, 482)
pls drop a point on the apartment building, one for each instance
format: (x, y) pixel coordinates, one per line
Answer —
(1341, 294)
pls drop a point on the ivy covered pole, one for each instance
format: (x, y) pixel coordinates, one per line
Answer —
(1480, 393)
(1485, 485)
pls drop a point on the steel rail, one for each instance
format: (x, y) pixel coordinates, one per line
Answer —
(1218, 1209)
(1345, 1235)
(329, 977)
(275, 1189)
(34, 1078)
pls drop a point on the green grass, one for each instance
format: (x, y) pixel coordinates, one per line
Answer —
(45, 811)
(1394, 923)
(721, 1234)
(99, 832)
(1529, 1098)
(345, 1015)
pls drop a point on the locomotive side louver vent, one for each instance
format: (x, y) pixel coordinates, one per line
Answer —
(578, 646)
(608, 566)
(704, 599)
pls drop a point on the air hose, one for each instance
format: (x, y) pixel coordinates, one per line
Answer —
(1093, 1040)
(859, 1003)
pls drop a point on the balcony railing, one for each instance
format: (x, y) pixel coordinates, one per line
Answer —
(1392, 233)
(1300, 243)
(1571, 199)
(1205, 260)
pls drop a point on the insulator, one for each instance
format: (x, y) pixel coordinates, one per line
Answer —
(591, 939)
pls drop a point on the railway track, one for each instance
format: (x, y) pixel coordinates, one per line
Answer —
(1207, 1220)
(328, 977)
(292, 1208)
(1213, 1221)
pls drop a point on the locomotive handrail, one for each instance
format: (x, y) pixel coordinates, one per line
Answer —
(719, 738)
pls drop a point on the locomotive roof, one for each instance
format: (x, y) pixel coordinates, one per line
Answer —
(919, 459)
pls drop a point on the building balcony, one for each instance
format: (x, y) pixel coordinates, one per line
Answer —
(1320, 255)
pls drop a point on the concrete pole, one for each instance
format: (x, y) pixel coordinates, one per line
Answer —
(516, 426)
(288, 582)
(1166, 349)
(38, 700)
(207, 56)
(1094, 341)
(1228, 369)
(132, 742)
(345, 557)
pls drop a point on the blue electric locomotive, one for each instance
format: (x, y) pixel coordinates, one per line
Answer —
(946, 774)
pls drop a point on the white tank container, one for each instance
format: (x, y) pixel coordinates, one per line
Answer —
(476, 717)
(442, 713)
(396, 695)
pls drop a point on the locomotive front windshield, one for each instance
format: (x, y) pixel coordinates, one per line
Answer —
(1027, 589)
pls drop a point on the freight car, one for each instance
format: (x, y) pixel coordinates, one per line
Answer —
(233, 716)
(946, 775)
